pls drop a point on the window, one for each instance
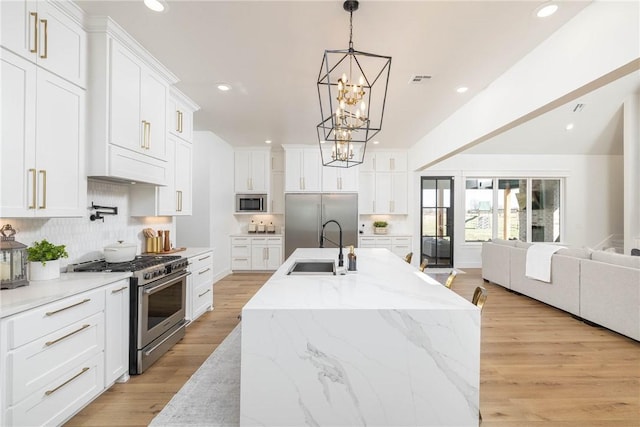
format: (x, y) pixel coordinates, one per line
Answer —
(527, 209)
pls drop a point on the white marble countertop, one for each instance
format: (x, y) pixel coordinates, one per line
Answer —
(383, 281)
(38, 293)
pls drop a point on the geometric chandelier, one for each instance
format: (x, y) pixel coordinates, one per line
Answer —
(352, 90)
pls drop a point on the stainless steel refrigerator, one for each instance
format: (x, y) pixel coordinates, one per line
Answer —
(305, 213)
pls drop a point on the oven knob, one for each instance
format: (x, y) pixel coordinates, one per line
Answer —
(147, 276)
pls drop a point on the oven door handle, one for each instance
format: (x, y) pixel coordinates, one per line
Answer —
(166, 284)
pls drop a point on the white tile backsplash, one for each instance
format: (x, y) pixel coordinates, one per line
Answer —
(84, 239)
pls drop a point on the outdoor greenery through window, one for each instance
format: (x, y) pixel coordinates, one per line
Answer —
(525, 209)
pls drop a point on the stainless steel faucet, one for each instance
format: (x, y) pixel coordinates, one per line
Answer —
(340, 256)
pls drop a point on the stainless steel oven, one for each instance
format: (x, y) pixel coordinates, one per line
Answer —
(251, 202)
(161, 314)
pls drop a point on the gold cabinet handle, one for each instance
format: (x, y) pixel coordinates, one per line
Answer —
(203, 258)
(204, 271)
(34, 49)
(177, 120)
(149, 136)
(46, 39)
(115, 291)
(33, 188)
(204, 293)
(43, 172)
(49, 343)
(143, 143)
(51, 313)
(48, 392)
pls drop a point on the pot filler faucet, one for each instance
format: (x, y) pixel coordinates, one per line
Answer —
(340, 257)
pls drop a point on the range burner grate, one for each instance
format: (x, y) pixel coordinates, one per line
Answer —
(139, 263)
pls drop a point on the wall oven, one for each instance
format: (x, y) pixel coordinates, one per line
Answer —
(251, 202)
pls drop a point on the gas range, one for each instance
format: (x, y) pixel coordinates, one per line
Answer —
(146, 268)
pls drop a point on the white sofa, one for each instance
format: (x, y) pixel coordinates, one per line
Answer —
(600, 287)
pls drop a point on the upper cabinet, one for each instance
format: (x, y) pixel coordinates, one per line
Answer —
(128, 93)
(303, 169)
(180, 111)
(340, 179)
(252, 170)
(43, 114)
(384, 161)
(44, 33)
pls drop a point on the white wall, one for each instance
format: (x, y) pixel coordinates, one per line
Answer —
(592, 203)
(85, 239)
(213, 197)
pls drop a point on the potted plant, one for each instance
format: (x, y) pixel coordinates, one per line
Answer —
(380, 227)
(44, 260)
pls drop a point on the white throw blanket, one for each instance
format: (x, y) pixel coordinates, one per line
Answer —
(538, 261)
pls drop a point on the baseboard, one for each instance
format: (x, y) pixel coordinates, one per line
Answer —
(221, 275)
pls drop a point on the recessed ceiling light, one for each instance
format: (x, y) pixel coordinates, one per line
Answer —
(569, 126)
(224, 87)
(376, 142)
(462, 89)
(155, 5)
(546, 9)
(322, 142)
(268, 141)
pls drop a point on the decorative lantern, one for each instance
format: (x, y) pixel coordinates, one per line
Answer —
(13, 260)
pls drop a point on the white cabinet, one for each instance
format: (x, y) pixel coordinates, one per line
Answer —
(266, 253)
(200, 285)
(383, 193)
(241, 253)
(340, 179)
(46, 35)
(180, 111)
(384, 161)
(128, 108)
(303, 169)
(138, 99)
(116, 354)
(252, 170)
(43, 163)
(277, 193)
(261, 252)
(399, 245)
(53, 359)
(175, 198)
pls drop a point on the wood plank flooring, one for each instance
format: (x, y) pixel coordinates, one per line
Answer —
(539, 366)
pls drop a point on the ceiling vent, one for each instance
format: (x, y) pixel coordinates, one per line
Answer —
(418, 79)
(578, 108)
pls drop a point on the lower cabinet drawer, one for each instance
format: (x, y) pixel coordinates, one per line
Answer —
(201, 261)
(67, 393)
(38, 363)
(202, 299)
(243, 263)
(44, 320)
(241, 250)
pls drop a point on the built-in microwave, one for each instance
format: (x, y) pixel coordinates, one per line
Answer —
(251, 202)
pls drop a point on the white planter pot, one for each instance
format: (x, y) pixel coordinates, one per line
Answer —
(379, 230)
(51, 270)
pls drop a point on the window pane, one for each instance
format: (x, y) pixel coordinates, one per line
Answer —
(478, 209)
(512, 213)
(545, 210)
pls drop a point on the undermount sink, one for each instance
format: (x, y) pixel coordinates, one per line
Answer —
(315, 266)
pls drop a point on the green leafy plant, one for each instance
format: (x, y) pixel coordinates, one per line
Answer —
(380, 224)
(44, 251)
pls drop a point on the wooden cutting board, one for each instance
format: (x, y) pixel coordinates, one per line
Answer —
(172, 251)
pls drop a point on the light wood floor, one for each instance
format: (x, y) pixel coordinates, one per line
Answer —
(539, 365)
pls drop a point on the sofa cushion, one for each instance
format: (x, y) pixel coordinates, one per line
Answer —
(616, 259)
(583, 253)
(504, 242)
(523, 245)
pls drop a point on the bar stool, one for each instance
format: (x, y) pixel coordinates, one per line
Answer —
(479, 297)
(450, 279)
(408, 257)
(423, 264)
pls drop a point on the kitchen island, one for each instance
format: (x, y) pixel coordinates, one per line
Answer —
(384, 346)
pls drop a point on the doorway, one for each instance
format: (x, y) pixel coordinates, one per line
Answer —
(436, 221)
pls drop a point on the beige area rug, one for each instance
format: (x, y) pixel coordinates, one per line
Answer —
(211, 397)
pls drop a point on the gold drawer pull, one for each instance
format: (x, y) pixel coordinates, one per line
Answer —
(203, 258)
(43, 172)
(48, 343)
(115, 291)
(33, 189)
(35, 32)
(51, 313)
(204, 271)
(49, 392)
(204, 293)
(46, 39)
